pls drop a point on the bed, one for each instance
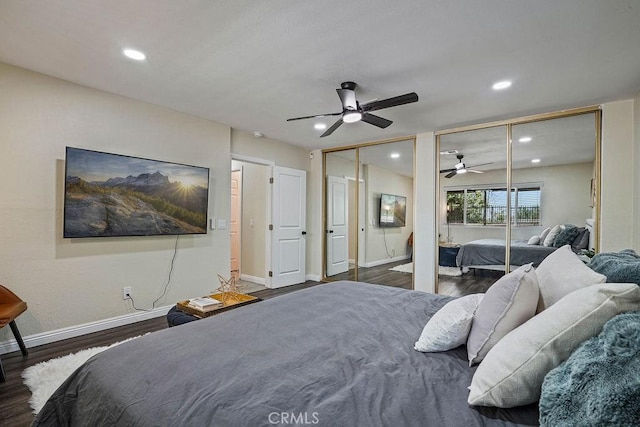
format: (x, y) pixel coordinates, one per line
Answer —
(490, 253)
(338, 354)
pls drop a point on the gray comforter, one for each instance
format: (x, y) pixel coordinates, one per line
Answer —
(337, 354)
(491, 252)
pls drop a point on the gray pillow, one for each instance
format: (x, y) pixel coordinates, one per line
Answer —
(581, 241)
(566, 236)
(508, 303)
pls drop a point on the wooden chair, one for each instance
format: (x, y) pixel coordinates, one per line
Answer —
(11, 306)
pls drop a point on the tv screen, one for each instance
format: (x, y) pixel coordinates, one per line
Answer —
(393, 210)
(115, 195)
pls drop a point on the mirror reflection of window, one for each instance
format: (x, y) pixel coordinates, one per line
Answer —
(553, 176)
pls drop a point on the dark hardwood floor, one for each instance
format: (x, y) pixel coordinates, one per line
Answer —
(14, 395)
(473, 282)
(380, 275)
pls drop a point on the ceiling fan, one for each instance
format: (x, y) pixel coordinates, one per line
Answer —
(353, 111)
(461, 168)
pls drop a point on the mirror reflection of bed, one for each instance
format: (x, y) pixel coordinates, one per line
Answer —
(552, 199)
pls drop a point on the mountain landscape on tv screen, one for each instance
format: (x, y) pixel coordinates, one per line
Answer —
(146, 204)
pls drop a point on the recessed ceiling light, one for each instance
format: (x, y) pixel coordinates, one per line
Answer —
(449, 152)
(134, 54)
(257, 134)
(501, 85)
(320, 126)
(535, 160)
(525, 139)
(395, 155)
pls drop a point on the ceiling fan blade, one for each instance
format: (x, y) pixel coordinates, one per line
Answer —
(372, 119)
(407, 98)
(348, 98)
(473, 171)
(314, 116)
(482, 164)
(450, 174)
(329, 131)
(448, 170)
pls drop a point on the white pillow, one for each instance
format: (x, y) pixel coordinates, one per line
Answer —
(561, 273)
(544, 234)
(548, 241)
(508, 303)
(533, 240)
(449, 327)
(512, 372)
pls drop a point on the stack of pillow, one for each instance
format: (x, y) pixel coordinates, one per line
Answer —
(526, 324)
(562, 234)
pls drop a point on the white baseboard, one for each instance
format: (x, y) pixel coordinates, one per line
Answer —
(252, 279)
(313, 277)
(86, 328)
(387, 260)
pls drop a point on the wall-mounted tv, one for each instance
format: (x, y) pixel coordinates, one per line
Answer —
(393, 210)
(108, 195)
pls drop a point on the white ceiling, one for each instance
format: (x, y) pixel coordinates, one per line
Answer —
(253, 64)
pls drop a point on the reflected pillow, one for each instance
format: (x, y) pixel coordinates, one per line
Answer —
(533, 240)
(581, 241)
(566, 236)
(449, 327)
(508, 303)
(548, 241)
(561, 273)
(512, 372)
(544, 235)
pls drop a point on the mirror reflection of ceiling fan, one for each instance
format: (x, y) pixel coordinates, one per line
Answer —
(460, 168)
(353, 111)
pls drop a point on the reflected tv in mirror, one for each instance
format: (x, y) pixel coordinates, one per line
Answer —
(393, 210)
(108, 195)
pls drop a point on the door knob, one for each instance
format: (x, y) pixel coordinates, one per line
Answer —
(304, 233)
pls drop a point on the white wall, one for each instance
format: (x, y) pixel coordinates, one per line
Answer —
(425, 236)
(314, 217)
(68, 282)
(617, 201)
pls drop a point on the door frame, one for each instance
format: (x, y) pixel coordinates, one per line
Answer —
(267, 189)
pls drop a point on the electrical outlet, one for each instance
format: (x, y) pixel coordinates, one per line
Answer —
(126, 291)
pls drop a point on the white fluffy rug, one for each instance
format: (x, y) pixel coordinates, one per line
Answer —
(449, 271)
(45, 377)
(405, 268)
(444, 271)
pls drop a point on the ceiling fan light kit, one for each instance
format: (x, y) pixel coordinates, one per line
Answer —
(353, 111)
(352, 117)
(460, 168)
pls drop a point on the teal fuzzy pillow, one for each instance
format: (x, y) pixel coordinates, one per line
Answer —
(566, 236)
(599, 383)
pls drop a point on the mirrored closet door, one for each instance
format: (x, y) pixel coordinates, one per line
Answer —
(369, 213)
(511, 193)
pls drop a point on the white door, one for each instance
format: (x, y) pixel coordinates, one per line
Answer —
(289, 218)
(337, 225)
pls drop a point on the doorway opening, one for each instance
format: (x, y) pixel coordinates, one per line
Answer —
(248, 224)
